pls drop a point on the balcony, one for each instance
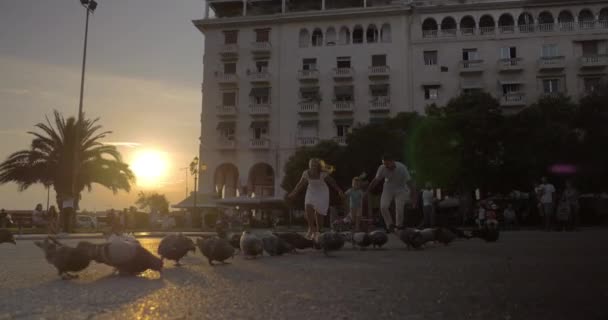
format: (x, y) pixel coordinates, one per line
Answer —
(471, 66)
(566, 26)
(513, 64)
(467, 31)
(231, 49)
(307, 141)
(429, 33)
(259, 144)
(308, 107)
(261, 47)
(586, 25)
(340, 140)
(513, 99)
(308, 75)
(448, 33)
(343, 106)
(593, 61)
(226, 78)
(506, 29)
(545, 27)
(379, 71)
(343, 73)
(551, 63)
(380, 104)
(226, 111)
(259, 109)
(226, 143)
(487, 31)
(259, 76)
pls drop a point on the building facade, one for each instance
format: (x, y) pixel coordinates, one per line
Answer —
(279, 75)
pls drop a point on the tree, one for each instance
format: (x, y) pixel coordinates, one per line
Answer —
(593, 133)
(153, 201)
(50, 160)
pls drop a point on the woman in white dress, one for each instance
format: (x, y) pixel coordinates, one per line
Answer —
(316, 179)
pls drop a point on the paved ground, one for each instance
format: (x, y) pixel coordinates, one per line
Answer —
(526, 275)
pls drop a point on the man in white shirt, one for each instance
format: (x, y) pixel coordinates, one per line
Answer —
(398, 187)
(546, 199)
(428, 207)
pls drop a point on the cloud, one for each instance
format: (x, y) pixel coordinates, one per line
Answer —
(124, 144)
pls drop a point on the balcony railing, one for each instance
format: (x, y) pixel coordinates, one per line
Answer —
(593, 61)
(567, 26)
(510, 64)
(221, 77)
(379, 71)
(261, 46)
(546, 27)
(506, 29)
(307, 141)
(343, 106)
(259, 143)
(343, 72)
(229, 49)
(259, 76)
(380, 104)
(225, 143)
(585, 25)
(259, 109)
(471, 66)
(487, 30)
(513, 99)
(602, 24)
(226, 110)
(308, 107)
(558, 62)
(340, 140)
(429, 33)
(467, 31)
(308, 75)
(526, 28)
(448, 33)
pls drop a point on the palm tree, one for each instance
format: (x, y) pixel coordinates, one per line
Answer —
(50, 160)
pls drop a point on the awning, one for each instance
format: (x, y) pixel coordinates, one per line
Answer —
(309, 89)
(377, 120)
(431, 84)
(510, 82)
(225, 124)
(343, 121)
(471, 85)
(379, 86)
(308, 121)
(259, 124)
(344, 90)
(256, 92)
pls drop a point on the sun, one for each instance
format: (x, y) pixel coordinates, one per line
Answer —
(149, 167)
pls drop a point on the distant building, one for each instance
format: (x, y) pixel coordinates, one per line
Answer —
(283, 74)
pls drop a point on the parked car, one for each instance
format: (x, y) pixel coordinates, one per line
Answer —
(84, 221)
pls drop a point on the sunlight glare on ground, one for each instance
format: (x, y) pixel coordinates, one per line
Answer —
(149, 167)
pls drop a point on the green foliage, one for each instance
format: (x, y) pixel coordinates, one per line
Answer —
(153, 201)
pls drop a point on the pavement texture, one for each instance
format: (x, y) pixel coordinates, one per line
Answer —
(525, 275)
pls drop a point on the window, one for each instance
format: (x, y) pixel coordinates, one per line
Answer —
(262, 35)
(379, 90)
(358, 34)
(260, 95)
(230, 68)
(508, 53)
(317, 38)
(261, 66)
(304, 38)
(344, 93)
(470, 54)
(308, 130)
(260, 132)
(309, 64)
(379, 60)
(342, 130)
(430, 58)
(343, 62)
(590, 48)
(310, 94)
(471, 91)
(549, 51)
(431, 93)
(591, 84)
(372, 34)
(229, 98)
(510, 88)
(227, 130)
(551, 86)
(231, 37)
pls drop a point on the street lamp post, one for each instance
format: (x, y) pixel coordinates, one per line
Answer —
(194, 172)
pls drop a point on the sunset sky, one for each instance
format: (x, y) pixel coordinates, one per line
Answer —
(144, 73)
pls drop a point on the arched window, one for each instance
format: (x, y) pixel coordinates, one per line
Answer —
(566, 21)
(372, 34)
(385, 33)
(487, 25)
(429, 28)
(344, 36)
(586, 19)
(603, 18)
(545, 21)
(448, 27)
(330, 36)
(467, 25)
(506, 23)
(317, 38)
(525, 22)
(304, 38)
(358, 34)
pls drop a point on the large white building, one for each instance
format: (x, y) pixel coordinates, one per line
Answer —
(283, 74)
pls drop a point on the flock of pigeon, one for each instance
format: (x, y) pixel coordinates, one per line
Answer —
(128, 257)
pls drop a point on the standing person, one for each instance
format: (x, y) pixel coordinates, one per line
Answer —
(53, 220)
(316, 179)
(398, 186)
(510, 217)
(355, 202)
(546, 199)
(571, 195)
(38, 217)
(3, 219)
(428, 207)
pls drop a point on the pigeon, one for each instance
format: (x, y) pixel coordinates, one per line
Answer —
(296, 240)
(361, 240)
(6, 236)
(411, 237)
(175, 247)
(65, 259)
(444, 235)
(215, 249)
(128, 237)
(251, 245)
(379, 238)
(127, 258)
(329, 241)
(273, 245)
